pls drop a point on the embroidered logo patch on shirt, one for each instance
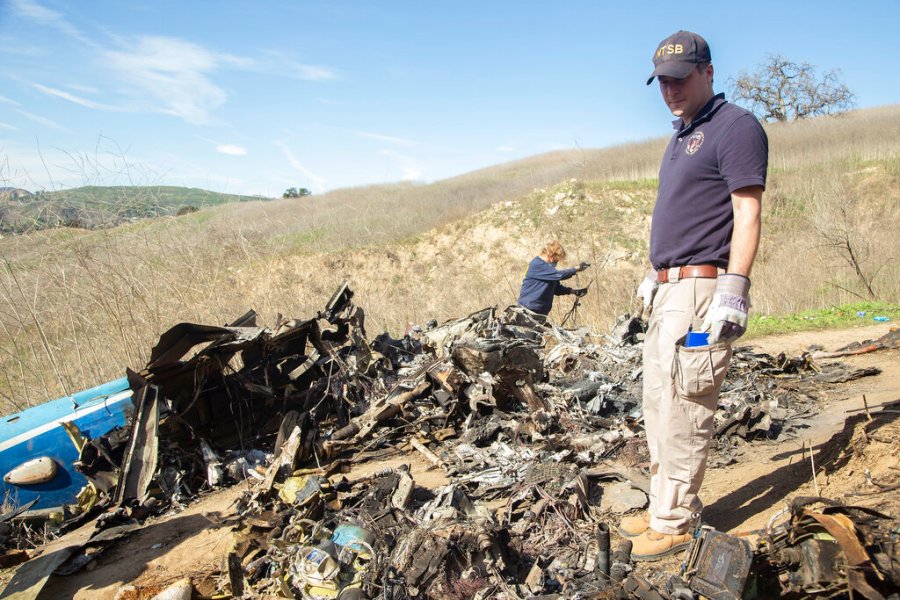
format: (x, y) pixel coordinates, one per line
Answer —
(694, 142)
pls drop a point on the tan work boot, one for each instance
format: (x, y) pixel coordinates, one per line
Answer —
(634, 525)
(653, 545)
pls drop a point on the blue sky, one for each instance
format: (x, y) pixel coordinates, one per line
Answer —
(254, 97)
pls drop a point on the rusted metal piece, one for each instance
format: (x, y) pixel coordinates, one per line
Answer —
(430, 456)
(141, 457)
(858, 560)
(384, 410)
(720, 564)
(284, 461)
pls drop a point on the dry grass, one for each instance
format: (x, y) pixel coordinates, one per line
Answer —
(77, 307)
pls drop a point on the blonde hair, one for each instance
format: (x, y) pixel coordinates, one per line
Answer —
(553, 251)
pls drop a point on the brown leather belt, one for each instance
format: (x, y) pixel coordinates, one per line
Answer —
(702, 271)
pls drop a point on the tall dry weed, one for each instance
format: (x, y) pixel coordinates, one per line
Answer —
(77, 307)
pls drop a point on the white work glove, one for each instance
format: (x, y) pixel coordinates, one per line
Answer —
(647, 289)
(726, 319)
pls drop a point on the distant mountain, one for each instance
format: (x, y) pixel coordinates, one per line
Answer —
(93, 207)
(12, 193)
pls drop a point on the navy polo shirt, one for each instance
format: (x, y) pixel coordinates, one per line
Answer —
(723, 149)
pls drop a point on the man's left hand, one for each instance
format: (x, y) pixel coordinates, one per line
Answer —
(726, 319)
(580, 292)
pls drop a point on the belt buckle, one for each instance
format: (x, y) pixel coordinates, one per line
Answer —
(674, 274)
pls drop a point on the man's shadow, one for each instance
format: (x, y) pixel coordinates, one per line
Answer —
(763, 493)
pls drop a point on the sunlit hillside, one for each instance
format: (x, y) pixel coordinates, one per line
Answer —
(78, 306)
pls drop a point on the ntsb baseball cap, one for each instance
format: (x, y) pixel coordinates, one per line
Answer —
(679, 54)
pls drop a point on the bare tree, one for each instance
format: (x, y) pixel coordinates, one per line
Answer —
(783, 90)
(843, 229)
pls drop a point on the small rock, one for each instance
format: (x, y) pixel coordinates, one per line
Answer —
(621, 498)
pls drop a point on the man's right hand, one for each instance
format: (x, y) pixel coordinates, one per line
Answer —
(582, 266)
(647, 289)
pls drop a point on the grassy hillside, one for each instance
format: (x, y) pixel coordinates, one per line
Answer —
(91, 207)
(77, 306)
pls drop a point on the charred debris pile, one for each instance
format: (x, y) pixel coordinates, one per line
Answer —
(536, 429)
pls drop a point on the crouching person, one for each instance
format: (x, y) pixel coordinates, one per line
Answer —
(543, 281)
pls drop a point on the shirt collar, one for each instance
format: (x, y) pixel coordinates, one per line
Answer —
(704, 114)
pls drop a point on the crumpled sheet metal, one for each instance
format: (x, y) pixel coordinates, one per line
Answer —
(824, 550)
(535, 458)
(515, 413)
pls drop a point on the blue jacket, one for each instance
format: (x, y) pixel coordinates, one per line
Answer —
(542, 282)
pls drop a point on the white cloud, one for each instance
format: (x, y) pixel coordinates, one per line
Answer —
(8, 126)
(231, 150)
(41, 120)
(409, 170)
(5, 100)
(279, 63)
(411, 174)
(49, 17)
(73, 98)
(505, 149)
(385, 138)
(310, 72)
(175, 72)
(317, 182)
(80, 87)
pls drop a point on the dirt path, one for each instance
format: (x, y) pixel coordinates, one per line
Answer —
(739, 497)
(743, 496)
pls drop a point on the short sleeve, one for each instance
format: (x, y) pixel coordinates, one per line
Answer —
(744, 154)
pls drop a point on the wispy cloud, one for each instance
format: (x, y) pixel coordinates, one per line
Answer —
(308, 72)
(73, 98)
(8, 126)
(279, 63)
(231, 149)
(317, 182)
(80, 87)
(505, 149)
(175, 72)
(41, 120)
(5, 100)
(384, 138)
(48, 17)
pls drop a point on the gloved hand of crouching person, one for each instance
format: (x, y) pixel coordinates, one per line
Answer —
(726, 319)
(647, 289)
(583, 266)
(580, 292)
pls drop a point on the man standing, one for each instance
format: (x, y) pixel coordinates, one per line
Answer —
(703, 240)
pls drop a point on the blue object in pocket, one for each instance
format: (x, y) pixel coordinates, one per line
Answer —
(696, 338)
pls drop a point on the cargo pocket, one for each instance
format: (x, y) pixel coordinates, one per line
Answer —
(699, 371)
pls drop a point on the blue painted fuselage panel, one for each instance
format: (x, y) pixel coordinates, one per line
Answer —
(37, 432)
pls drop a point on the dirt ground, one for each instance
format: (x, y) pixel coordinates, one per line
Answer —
(739, 498)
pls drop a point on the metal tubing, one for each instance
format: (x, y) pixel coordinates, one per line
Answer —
(603, 549)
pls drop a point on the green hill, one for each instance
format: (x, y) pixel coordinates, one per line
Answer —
(93, 207)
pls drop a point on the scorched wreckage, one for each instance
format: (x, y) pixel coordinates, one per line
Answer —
(536, 429)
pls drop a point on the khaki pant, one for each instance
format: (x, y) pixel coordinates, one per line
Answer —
(681, 389)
